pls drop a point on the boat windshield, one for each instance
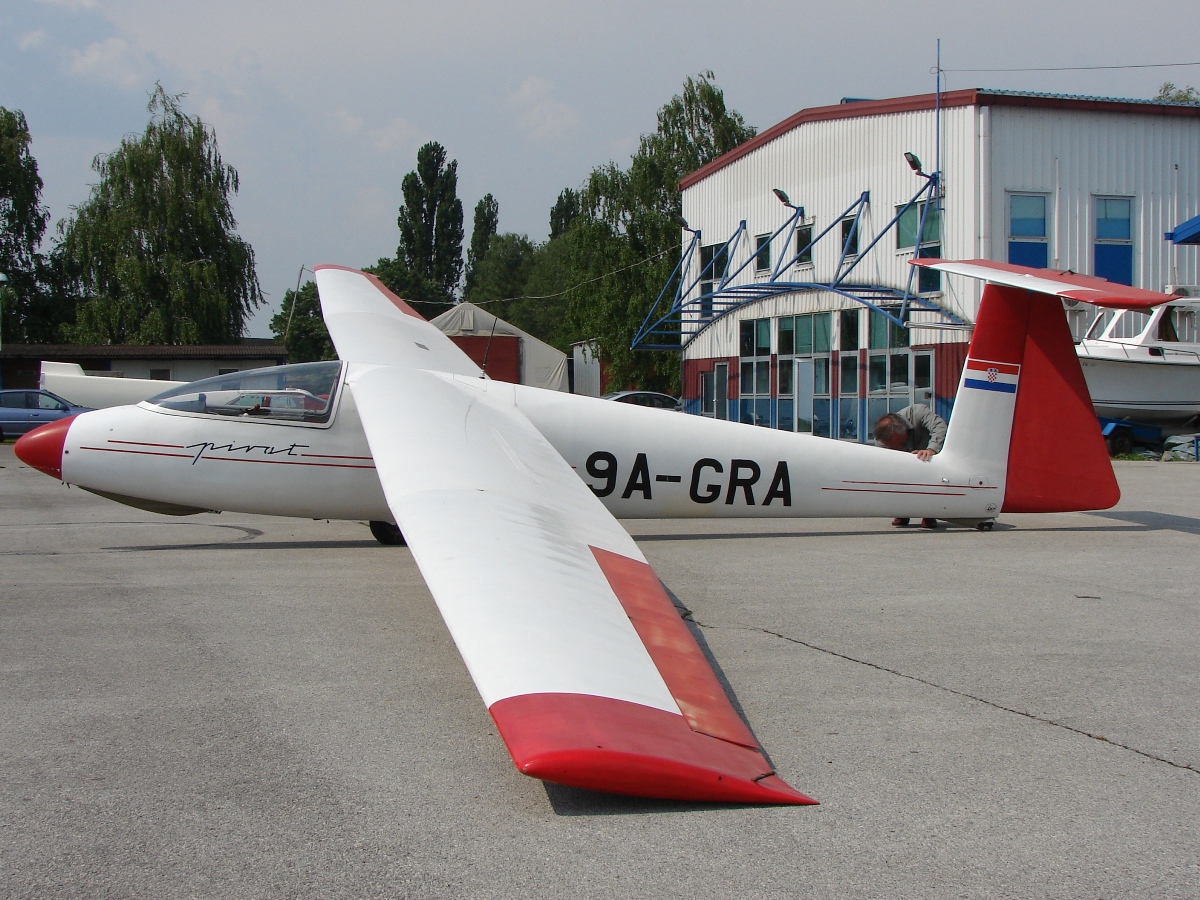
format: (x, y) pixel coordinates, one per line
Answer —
(1178, 324)
(1103, 319)
(299, 393)
(1131, 324)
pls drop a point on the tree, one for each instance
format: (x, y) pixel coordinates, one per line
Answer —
(1169, 91)
(502, 276)
(624, 243)
(153, 255)
(299, 326)
(564, 212)
(28, 312)
(487, 220)
(428, 261)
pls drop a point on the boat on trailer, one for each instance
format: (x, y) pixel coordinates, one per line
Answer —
(1144, 365)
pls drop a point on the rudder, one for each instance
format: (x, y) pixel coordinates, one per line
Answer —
(1057, 459)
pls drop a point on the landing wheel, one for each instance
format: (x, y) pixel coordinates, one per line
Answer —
(985, 526)
(388, 534)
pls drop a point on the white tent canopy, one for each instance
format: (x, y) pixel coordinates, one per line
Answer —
(541, 365)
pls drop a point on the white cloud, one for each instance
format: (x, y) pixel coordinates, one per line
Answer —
(112, 60)
(31, 39)
(348, 120)
(396, 136)
(542, 116)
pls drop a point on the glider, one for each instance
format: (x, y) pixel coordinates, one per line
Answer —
(508, 498)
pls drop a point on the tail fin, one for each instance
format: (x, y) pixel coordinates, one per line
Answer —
(1022, 404)
(1057, 460)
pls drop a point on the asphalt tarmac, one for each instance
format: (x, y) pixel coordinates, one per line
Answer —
(236, 706)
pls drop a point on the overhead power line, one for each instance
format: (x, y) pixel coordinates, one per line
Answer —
(1083, 68)
(640, 262)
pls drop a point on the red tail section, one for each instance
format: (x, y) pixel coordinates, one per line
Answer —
(1057, 460)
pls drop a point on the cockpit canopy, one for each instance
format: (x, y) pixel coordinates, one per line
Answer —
(298, 393)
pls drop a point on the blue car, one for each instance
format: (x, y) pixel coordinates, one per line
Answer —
(22, 411)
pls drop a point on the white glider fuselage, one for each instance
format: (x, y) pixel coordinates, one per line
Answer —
(641, 463)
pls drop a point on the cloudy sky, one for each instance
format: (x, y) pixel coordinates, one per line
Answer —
(321, 106)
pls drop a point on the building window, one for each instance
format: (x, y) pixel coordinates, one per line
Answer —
(910, 221)
(754, 347)
(850, 236)
(802, 345)
(930, 245)
(762, 253)
(714, 259)
(1113, 250)
(804, 245)
(161, 374)
(889, 366)
(848, 328)
(226, 371)
(1027, 232)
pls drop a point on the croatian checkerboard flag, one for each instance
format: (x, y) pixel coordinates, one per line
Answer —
(984, 375)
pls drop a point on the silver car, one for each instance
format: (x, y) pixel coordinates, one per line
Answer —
(22, 411)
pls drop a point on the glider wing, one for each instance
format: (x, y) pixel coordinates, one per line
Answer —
(590, 674)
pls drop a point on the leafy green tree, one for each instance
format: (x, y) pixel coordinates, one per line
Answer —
(428, 263)
(503, 275)
(299, 326)
(153, 255)
(564, 212)
(623, 245)
(1169, 91)
(487, 221)
(29, 313)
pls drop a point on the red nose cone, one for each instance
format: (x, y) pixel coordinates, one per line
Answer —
(42, 448)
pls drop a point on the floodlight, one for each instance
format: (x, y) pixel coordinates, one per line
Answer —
(913, 161)
(783, 197)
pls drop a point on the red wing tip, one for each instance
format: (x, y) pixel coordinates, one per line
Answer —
(637, 775)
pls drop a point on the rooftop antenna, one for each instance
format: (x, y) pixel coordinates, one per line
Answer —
(937, 117)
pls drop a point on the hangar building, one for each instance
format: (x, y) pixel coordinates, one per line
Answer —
(795, 303)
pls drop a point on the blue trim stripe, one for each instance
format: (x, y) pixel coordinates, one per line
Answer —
(990, 386)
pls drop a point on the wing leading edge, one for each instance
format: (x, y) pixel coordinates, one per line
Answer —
(591, 676)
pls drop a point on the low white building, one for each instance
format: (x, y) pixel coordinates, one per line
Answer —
(797, 307)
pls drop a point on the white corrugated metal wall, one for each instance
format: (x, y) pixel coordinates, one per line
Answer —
(824, 166)
(1074, 156)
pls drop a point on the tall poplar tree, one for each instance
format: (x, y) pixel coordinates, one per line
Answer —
(487, 221)
(153, 255)
(428, 263)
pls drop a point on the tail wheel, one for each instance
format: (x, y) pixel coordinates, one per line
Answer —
(985, 526)
(388, 534)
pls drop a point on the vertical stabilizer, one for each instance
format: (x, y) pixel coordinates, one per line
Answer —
(1057, 461)
(1023, 405)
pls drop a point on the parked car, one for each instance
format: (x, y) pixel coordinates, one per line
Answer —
(652, 399)
(22, 411)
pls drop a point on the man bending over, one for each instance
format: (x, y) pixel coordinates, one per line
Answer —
(916, 429)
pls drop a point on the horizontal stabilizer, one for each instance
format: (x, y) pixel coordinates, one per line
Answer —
(1069, 285)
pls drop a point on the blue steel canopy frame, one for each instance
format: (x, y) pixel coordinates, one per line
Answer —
(685, 317)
